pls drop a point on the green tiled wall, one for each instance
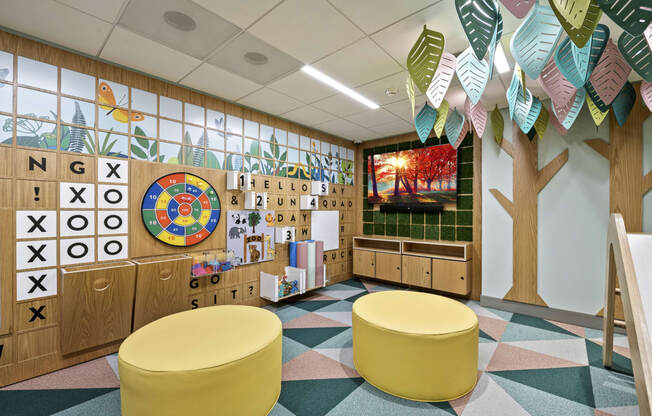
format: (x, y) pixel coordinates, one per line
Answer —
(452, 225)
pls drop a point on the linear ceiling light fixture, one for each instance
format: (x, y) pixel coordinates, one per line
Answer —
(338, 86)
(500, 60)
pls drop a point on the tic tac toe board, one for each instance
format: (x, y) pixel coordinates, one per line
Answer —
(181, 209)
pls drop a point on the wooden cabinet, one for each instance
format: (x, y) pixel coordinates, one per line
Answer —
(364, 263)
(451, 276)
(161, 287)
(417, 271)
(388, 267)
(96, 304)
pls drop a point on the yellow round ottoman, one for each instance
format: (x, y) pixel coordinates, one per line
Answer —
(414, 345)
(222, 360)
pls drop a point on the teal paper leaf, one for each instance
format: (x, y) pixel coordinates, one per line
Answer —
(623, 104)
(633, 16)
(454, 125)
(568, 53)
(637, 53)
(534, 41)
(498, 34)
(593, 96)
(479, 18)
(582, 56)
(513, 91)
(424, 121)
(473, 74)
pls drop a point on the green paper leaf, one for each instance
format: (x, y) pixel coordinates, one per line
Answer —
(442, 115)
(473, 74)
(497, 125)
(633, 16)
(424, 122)
(581, 35)
(623, 104)
(541, 125)
(479, 19)
(637, 53)
(597, 115)
(424, 57)
(572, 11)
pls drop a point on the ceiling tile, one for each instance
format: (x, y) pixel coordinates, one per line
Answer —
(51, 21)
(270, 101)
(219, 82)
(494, 94)
(385, 12)
(232, 58)
(106, 10)
(372, 118)
(137, 52)
(340, 105)
(303, 87)
(344, 128)
(308, 116)
(306, 29)
(358, 64)
(375, 90)
(403, 109)
(242, 12)
(393, 128)
(146, 18)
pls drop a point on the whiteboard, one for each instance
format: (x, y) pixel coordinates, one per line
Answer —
(325, 226)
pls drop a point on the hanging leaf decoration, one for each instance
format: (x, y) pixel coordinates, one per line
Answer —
(557, 125)
(633, 16)
(648, 35)
(646, 93)
(582, 56)
(454, 125)
(581, 35)
(599, 41)
(623, 104)
(442, 79)
(566, 64)
(541, 125)
(571, 11)
(424, 121)
(636, 52)
(442, 115)
(519, 8)
(553, 82)
(477, 115)
(597, 115)
(611, 73)
(527, 112)
(466, 127)
(568, 53)
(479, 18)
(595, 98)
(574, 111)
(513, 91)
(409, 87)
(473, 74)
(535, 39)
(423, 59)
(498, 34)
(497, 125)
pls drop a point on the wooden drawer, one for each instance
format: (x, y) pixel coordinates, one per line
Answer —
(416, 271)
(364, 263)
(388, 267)
(96, 304)
(451, 276)
(161, 287)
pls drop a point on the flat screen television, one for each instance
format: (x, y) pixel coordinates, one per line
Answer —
(414, 179)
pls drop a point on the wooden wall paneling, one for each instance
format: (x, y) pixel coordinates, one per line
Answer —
(7, 276)
(38, 313)
(529, 180)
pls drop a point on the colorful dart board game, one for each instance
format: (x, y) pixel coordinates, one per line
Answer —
(181, 209)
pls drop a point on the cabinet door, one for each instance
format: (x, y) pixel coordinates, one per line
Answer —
(416, 271)
(388, 267)
(451, 276)
(161, 288)
(364, 263)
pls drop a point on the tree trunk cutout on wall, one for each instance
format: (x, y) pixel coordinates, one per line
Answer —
(528, 182)
(627, 184)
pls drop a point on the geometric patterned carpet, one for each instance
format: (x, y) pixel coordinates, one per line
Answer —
(528, 366)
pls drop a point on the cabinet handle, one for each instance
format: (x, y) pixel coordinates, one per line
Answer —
(398, 267)
(427, 272)
(462, 277)
(372, 264)
(106, 286)
(165, 275)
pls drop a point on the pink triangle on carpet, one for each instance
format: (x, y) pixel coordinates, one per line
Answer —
(313, 365)
(493, 327)
(459, 404)
(312, 320)
(92, 374)
(368, 285)
(601, 413)
(577, 330)
(509, 357)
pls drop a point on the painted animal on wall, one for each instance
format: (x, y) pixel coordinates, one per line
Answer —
(250, 235)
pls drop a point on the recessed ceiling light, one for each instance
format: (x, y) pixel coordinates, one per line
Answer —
(255, 58)
(339, 86)
(500, 60)
(180, 21)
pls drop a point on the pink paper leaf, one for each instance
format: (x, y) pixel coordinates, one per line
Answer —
(442, 79)
(648, 36)
(646, 93)
(463, 133)
(610, 75)
(559, 89)
(518, 8)
(476, 115)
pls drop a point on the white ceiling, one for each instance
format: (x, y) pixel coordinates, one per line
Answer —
(361, 43)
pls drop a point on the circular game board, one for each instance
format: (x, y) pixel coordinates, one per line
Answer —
(181, 209)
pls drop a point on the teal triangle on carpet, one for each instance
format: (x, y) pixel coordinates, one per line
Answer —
(313, 305)
(45, 402)
(292, 349)
(341, 340)
(445, 406)
(106, 405)
(341, 306)
(316, 397)
(484, 335)
(538, 323)
(311, 337)
(572, 383)
(621, 363)
(612, 389)
(354, 283)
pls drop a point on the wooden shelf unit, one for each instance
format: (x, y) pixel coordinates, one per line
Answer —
(439, 265)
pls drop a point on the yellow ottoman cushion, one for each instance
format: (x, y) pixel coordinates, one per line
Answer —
(414, 345)
(222, 360)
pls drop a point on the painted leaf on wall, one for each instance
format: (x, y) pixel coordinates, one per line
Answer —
(572, 11)
(559, 89)
(554, 121)
(424, 121)
(477, 115)
(633, 16)
(535, 39)
(611, 73)
(581, 34)
(497, 125)
(646, 93)
(623, 104)
(472, 73)
(442, 79)
(409, 87)
(597, 114)
(454, 125)
(574, 111)
(519, 8)
(479, 19)
(595, 98)
(423, 59)
(442, 115)
(636, 52)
